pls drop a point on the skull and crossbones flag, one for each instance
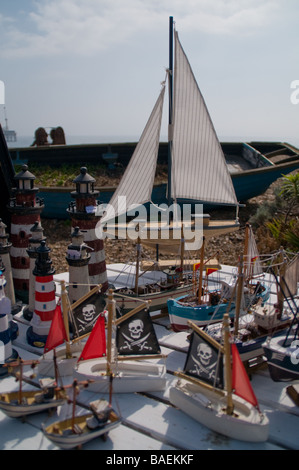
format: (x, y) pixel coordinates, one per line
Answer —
(136, 335)
(86, 314)
(204, 361)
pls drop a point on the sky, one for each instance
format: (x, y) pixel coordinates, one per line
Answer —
(95, 67)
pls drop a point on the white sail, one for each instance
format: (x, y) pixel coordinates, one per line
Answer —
(252, 261)
(292, 276)
(199, 170)
(137, 182)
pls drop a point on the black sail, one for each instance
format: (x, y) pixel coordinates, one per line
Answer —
(204, 362)
(86, 314)
(136, 335)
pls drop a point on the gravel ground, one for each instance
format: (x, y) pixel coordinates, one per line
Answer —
(229, 246)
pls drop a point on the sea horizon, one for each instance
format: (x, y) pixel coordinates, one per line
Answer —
(27, 141)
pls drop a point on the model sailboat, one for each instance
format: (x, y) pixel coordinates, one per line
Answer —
(125, 354)
(175, 282)
(257, 315)
(255, 288)
(197, 171)
(203, 306)
(282, 350)
(264, 316)
(22, 402)
(216, 393)
(78, 430)
(82, 315)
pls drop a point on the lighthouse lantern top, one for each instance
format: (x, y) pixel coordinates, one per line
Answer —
(84, 182)
(25, 179)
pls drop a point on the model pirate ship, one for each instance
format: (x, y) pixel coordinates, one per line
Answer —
(127, 354)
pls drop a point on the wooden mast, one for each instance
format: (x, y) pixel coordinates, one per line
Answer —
(21, 382)
(66, 318)
(282, 286)
(182, 252)
(201, 270)
(246, 243)
(138, 247)
(110, 308)
(239, 295)
(228, 369)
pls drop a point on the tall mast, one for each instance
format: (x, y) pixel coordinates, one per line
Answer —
(201, 271)
(110, 308)
(170, 79)
(239, 295)
(228, 372)
(66, 318)
(138, 247)
(246, 252)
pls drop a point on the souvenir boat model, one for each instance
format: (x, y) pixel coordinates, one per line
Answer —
(254, 287)
(259, 319)
(214, 393)
(81, 319)
(282, 350)
(210, 306)
(204, 306)
(126, 355)
(194, 155)
(78, 430)
(176, 281)
(25, 402)
(282, 353)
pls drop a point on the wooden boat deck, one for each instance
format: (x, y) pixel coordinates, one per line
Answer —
(168, 263)
(149, 422)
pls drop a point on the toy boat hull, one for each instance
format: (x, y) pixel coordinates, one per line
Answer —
(128, 376)
(10, 406)
(206, 407)
(283, 362)
(60, 432)
(158, 300)
(201, 315)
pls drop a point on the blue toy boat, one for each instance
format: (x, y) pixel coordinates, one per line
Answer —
(185, 308)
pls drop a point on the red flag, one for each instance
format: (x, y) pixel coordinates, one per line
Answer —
(57, 334)
(196, 266)
(96, 344)
(240, 379)
(211, 270)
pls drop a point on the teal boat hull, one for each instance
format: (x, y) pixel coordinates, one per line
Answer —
(201, 315)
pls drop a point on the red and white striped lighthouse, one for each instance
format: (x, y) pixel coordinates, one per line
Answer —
(45, 302)
(78, 259)
(83, 213)
(25, 209)
(34, 243)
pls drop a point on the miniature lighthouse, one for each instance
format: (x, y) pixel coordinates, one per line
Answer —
(84, 215)
(34, 243)
(45, 303)
(5, 255)
(7, 353)
(25, 209)
(13, 326)
(78, 259)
